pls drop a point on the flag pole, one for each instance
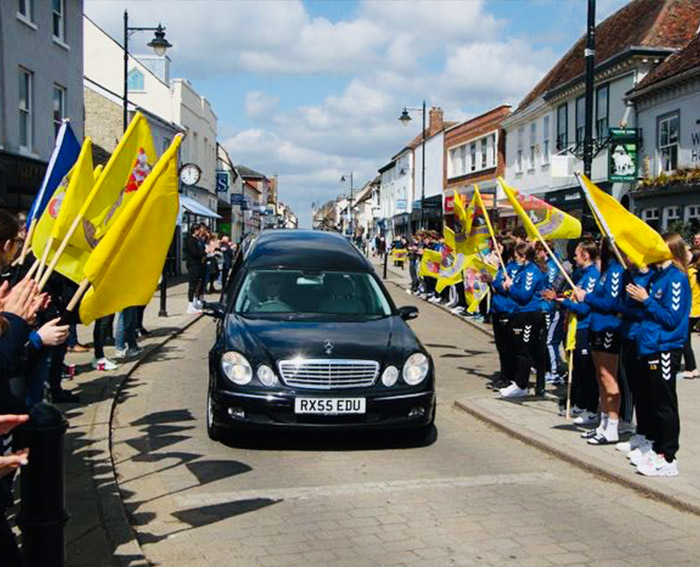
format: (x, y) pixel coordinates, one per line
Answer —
(602, 224)
(488, 224)
(61, 249)
(27, 241)
(568, 384)
(44, 257)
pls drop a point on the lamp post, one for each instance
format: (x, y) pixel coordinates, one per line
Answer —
(589, 54)
(405, 119)
(158, 43)
(352, 198)
(160, 46)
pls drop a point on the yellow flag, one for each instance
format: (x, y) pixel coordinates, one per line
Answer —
(125, 266)
(571, 333)
(471, 231)
(474, 289)
(450, 273)
(399, 255)
(98, 171)
(430, 264)
(119, 181)
(60, 213)
(539, 217)
(641, 243)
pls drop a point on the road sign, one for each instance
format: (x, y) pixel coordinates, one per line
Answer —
(244, 205)
(236, 198)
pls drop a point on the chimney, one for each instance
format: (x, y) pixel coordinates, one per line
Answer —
(435, 123)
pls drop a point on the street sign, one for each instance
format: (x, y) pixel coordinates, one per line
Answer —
(236, 198)
(623, 158)
(401, 204)
(223, 181)
(244, 205)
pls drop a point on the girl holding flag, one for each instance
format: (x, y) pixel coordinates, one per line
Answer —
(660, 339)
(606, 303)
(525, 289)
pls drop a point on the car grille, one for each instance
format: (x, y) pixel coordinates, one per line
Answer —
(329, 374)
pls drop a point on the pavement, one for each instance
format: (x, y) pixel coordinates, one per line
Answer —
(99, 533)
(535, 421)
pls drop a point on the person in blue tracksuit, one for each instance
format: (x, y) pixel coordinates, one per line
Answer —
(502, 310)
(606, 303)
(525, 289)
(635, 399)
(553, 317)
(584, 386)
(660, 339)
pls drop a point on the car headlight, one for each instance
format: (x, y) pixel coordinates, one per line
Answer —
(416, 369)
(266, 376)
(236, 368)
(390, 376)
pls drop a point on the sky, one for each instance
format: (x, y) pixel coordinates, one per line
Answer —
(311, 90)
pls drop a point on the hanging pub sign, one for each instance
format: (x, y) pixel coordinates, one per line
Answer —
(623, 157)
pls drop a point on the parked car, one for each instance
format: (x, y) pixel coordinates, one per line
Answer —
(308, 337)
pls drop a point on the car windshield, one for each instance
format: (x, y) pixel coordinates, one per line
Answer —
(301, 292)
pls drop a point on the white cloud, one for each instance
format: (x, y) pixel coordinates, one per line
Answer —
(260, 106)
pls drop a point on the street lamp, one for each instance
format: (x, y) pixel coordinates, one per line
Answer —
(405, 119)
(352, 198)
(159, 44)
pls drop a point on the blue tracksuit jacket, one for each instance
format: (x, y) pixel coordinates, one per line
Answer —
(501, 302)
(607, 299)
(527, 286)
(587, 281)
(633, 311)
(664, 325)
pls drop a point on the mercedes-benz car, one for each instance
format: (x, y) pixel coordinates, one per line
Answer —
(308, 337)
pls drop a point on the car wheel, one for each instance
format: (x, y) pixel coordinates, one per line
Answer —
(214, 431)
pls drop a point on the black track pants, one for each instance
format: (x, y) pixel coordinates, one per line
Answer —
(529, 346)
(660, 370)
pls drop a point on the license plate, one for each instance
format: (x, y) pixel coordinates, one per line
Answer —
(329, 406)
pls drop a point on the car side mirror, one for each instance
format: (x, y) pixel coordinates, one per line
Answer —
(408, 312)
(214, 309)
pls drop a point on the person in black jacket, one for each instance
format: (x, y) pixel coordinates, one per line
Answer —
(195, 255)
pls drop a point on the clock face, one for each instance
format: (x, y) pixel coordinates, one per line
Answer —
(190, 174)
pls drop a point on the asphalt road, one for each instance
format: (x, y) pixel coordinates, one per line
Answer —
(469, 496)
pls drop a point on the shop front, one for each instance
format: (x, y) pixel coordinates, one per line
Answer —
(20, 179)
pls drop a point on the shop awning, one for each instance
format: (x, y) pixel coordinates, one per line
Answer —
(191, 206)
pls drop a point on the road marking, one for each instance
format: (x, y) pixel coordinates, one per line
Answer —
(310, 492)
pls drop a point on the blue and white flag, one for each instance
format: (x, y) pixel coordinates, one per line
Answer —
(64, 156)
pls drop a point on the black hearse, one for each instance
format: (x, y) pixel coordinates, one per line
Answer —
(308, 337)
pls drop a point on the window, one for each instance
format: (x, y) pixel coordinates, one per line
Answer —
(134, 80)
(651, 217)
(59, 106)
(58, 17)
(25, 109)
(494, 150)
(519, 155)
(669, 133)
(453, 163)
(545, 140)
(580, 119)
(671, 215)
(533, 145)
(472, 152)
(484, 153)
(462, 160)
(692, 212)
(562, 127)
(26, 9)
(601, 112)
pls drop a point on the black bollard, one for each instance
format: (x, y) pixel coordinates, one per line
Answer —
(386, 256)
(163, 295)
(43, 517)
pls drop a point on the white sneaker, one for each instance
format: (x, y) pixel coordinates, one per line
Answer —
(641, 454)
(657, 465)
(104, 363)
(434, 299)
(630, 445)
(586, 418)
(192, 309)
(408, 291)
(513, 391)
(458, 310)
(119, 353)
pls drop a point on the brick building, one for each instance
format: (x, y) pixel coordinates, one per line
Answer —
(475, 152)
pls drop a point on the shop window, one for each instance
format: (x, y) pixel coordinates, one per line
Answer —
(651, 217)
(671, 215)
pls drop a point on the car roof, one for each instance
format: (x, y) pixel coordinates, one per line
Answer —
(307, 249)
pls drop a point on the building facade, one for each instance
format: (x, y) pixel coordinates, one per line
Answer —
(41, 83)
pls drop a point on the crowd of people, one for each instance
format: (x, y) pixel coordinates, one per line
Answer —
(208, 259)
(633, 330)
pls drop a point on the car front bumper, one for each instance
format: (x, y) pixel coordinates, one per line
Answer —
(397, 411)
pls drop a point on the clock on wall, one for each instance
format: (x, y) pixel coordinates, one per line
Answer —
(190, 174)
